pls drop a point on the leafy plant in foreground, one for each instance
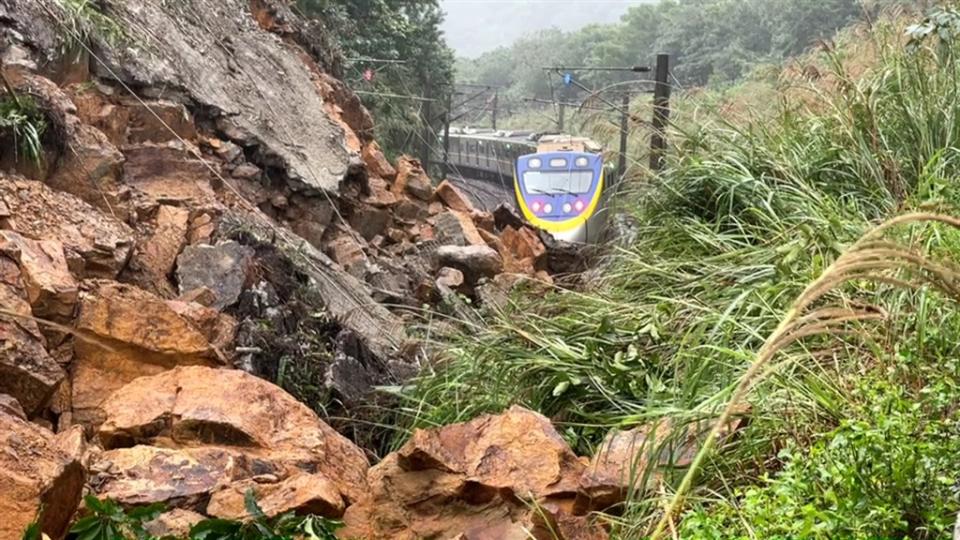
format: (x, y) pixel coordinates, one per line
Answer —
(108, 521)
(260, 527)
(22, 121)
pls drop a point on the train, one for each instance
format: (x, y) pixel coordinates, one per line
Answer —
(558, 180)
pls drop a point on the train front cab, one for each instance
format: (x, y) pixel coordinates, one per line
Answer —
(561, 192)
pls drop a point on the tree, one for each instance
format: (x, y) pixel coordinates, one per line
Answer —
(407, 34)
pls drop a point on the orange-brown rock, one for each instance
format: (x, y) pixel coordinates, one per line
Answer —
(301, 493)
(412, 179)
(523, 244)
(475, 479)
(51, 289)
(96, 245)
(345, 249)
(173, 524)
(376, 162)
(169, 173)
(219, 328)
(380, 194)
(484, 220)
(202, 227)
(456, 228)
(10, 405)
(620, 465)
(452, 197)
(89, 166)
(27, 372)
(158, 121)
(96, 109)
(623, 462)
(156, 255)
(35, 474)
(142, 475)
(133, 333)
(189, 407)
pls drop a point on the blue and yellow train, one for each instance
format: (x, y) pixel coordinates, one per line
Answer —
(558, 180)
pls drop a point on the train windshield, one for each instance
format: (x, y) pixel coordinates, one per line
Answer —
(554, 182)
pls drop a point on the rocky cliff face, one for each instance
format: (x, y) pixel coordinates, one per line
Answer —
(209, 206)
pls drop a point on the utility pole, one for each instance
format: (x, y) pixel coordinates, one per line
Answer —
(624, 131)
(446, 136)
(661, 112)
(426, 116)
(493, 115)
(561, 113)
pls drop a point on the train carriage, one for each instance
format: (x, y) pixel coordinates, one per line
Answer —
(558, 180)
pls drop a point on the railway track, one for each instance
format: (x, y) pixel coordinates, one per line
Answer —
(484, 194)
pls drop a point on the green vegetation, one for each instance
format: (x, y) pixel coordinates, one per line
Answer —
(108, 521)
(711, 42)
(407, 34)
(853, 421)
(23, 124)
(85, 20)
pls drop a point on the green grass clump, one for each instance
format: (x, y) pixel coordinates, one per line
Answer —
(24, 124)
(747, 216)
(107, 520)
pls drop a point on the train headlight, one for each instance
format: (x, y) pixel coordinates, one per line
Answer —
(578, 205)
(567, 208)
(582, 162)
(534, 163)
(535, 206)
(547, 208)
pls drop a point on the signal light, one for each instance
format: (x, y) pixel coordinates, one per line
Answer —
(578, 205)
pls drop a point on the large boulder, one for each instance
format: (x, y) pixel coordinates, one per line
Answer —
(412, 179)
(223, 268)
(27, 372)
(224, 431)
(457, 228)
(479, 479)
(474, 261)
(130, 333)
(35, 474)
(153, 260)
(96, 245)
(51, 289)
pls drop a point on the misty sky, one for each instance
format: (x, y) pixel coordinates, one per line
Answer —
(476, 26)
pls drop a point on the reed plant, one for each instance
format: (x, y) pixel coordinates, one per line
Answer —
(793, 265)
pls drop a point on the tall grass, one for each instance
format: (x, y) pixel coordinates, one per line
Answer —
(748, 214)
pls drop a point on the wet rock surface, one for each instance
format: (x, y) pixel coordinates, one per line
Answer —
(35, 474)
(180, 435)
(204, 238)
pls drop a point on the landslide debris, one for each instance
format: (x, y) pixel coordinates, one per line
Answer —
(211, 214)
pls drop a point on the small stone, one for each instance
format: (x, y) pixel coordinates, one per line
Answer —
(449, 277)
(246, 172)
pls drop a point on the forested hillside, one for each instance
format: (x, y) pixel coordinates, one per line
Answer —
(710, 41)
